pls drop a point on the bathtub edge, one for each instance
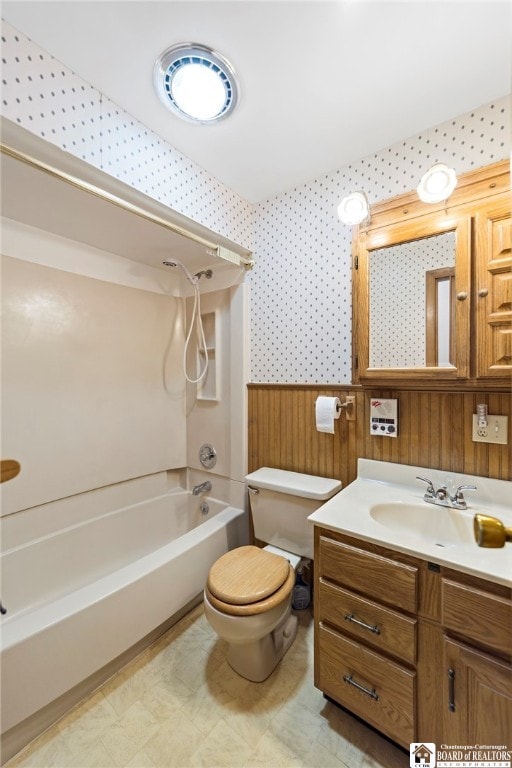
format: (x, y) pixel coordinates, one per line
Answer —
(20, 735)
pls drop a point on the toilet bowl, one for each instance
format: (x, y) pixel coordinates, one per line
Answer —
(247, 601)
(248, 594)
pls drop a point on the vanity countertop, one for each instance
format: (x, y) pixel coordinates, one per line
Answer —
(385, 505)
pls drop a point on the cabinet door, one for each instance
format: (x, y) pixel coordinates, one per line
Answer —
(477, 697)
(494, 291)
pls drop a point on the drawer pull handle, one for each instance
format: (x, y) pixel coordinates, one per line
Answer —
(372, 627)
(373, 693)
(451, 690)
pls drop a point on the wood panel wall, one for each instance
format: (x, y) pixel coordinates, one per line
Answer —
(434, 431)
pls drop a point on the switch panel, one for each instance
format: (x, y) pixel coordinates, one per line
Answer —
(496, 430)
(383, 417)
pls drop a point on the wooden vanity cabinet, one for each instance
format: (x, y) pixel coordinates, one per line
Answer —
(420, 652)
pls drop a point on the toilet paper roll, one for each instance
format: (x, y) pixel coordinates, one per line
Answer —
(327, 409)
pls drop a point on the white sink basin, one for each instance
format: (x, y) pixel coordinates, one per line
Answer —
(441, 526)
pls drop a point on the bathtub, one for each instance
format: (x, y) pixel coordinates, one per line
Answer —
(80, 597)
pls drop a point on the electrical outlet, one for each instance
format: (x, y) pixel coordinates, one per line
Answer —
(494, 432)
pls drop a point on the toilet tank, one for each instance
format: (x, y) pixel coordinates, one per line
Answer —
(281, 502)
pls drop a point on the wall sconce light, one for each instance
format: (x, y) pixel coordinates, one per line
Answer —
(354, 208)
(437, 184)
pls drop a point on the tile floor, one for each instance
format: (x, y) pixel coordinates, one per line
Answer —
(179, 705)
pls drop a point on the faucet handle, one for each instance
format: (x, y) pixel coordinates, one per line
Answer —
(458, 500)
(458, 493)
(430, 487)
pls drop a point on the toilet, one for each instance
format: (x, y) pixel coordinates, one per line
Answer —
(248, 594)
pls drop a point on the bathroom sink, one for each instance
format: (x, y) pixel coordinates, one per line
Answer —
(438, 525)
(385, 505)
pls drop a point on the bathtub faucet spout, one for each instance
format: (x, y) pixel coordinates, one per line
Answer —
(197, 489)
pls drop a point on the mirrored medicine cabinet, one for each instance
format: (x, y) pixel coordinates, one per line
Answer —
(432, 287)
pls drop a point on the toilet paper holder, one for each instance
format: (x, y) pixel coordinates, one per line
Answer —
(349, 406)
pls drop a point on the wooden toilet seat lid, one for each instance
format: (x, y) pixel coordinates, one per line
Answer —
(247, 575)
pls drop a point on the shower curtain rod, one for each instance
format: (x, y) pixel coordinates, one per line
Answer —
(218, 250)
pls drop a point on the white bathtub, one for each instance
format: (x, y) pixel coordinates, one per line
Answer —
(80, 597)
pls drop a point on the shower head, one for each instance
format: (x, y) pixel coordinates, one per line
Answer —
(193, 279)
(175, 263)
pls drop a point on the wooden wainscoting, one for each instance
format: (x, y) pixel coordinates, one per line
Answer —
(434, 431)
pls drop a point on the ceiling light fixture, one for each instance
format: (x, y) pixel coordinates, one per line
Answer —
(437, 184)
(354, 208)
(196, 83)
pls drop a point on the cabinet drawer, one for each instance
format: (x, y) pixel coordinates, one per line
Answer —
(384, 629)
(478, 615)
(380, 577)
(376, 689)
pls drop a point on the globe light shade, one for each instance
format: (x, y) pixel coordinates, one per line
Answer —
(437, 184)
(354, 208)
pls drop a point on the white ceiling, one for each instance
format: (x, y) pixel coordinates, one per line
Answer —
(322, 83)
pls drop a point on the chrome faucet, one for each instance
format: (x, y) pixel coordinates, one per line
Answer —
(197, 489)
(443, 498)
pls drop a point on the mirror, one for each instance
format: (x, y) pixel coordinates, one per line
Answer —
(411, 300)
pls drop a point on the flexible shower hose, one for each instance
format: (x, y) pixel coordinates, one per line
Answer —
(196, 314)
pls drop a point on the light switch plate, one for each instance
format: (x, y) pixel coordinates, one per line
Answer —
(496, 430)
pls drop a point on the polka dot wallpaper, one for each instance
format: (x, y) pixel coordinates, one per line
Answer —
(300, 287)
